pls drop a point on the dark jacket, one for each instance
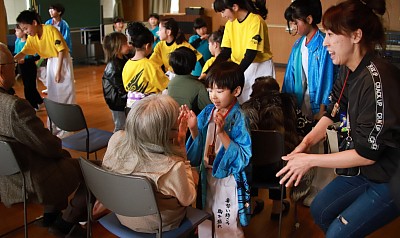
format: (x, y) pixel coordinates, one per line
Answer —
(113, 87)
(50, 175)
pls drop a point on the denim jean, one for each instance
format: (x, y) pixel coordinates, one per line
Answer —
(353, 207)
(119, 119)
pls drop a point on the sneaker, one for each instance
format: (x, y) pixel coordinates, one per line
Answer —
(17, 77)
(310, 197)
(60, 227)
(258, 207)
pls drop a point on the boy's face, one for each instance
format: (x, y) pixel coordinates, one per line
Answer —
(19, 33)
(30, 29)
(54, 13)
(222, 98)
(153, 21)
(201, 31)
(119, 26)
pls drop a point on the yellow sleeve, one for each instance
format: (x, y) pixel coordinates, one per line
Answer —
(160, 81)
(59, 41)
(226, 38)
(29, 48)
(208, 64)
(156, 57)
(198, 54)
(256, 35)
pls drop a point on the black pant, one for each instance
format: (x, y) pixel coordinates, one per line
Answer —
(28, 73)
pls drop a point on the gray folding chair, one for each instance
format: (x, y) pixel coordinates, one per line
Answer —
(70, 117)
(268, 147)
(10, 166)
(131, 196)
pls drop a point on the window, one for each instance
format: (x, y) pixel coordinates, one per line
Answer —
(174, 6)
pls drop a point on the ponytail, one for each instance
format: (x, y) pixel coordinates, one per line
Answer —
(254, 6)
(180, 38)
(258, 7)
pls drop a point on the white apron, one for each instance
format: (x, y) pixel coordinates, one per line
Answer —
(63, 91)
(254, 71)
(222, 199)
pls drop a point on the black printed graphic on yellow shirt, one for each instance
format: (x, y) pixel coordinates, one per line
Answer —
(134, 85)
(256, 39)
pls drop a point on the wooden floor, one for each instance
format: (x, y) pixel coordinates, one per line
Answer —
(90, 97)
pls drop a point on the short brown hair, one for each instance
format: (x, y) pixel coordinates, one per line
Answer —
(351, 15)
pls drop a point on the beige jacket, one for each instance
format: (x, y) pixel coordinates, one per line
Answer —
(172, 177)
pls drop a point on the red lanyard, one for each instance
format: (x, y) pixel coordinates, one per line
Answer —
(336, 107)
(211, 148)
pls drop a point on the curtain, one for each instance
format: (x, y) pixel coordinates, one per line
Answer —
(118, 9)
(159, 6)
(3, 23)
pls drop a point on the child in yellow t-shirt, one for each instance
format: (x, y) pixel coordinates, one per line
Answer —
(246, 40)
(47, 41)
(140, 75)
(170, 39)
(214, 46)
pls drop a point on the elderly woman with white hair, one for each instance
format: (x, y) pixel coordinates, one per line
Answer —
(152, 145)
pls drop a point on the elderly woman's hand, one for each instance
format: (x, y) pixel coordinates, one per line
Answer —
(298, 164)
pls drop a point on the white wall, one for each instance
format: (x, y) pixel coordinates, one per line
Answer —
(13, 8)
(108, 8)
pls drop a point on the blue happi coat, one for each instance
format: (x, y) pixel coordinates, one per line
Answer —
(228, 161)
(321, 72)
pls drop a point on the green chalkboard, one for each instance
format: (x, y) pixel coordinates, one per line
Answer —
(78, 13)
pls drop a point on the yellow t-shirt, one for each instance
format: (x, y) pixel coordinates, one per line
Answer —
(143, 76)
(161, 53)
(207, 65)
(252, 34)
(46, 46)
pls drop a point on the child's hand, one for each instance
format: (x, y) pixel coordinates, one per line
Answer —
(204, 37)
(190, 117)
(202, 76)
(191, 120)
(58, 77)
(182, 129)
(219, 122)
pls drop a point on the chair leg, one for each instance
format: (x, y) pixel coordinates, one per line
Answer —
(280, 214)
(25, 209)
(296, 216)
(89, 214)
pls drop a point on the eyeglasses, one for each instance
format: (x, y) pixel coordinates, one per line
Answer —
(15, 63)
(292, 28)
